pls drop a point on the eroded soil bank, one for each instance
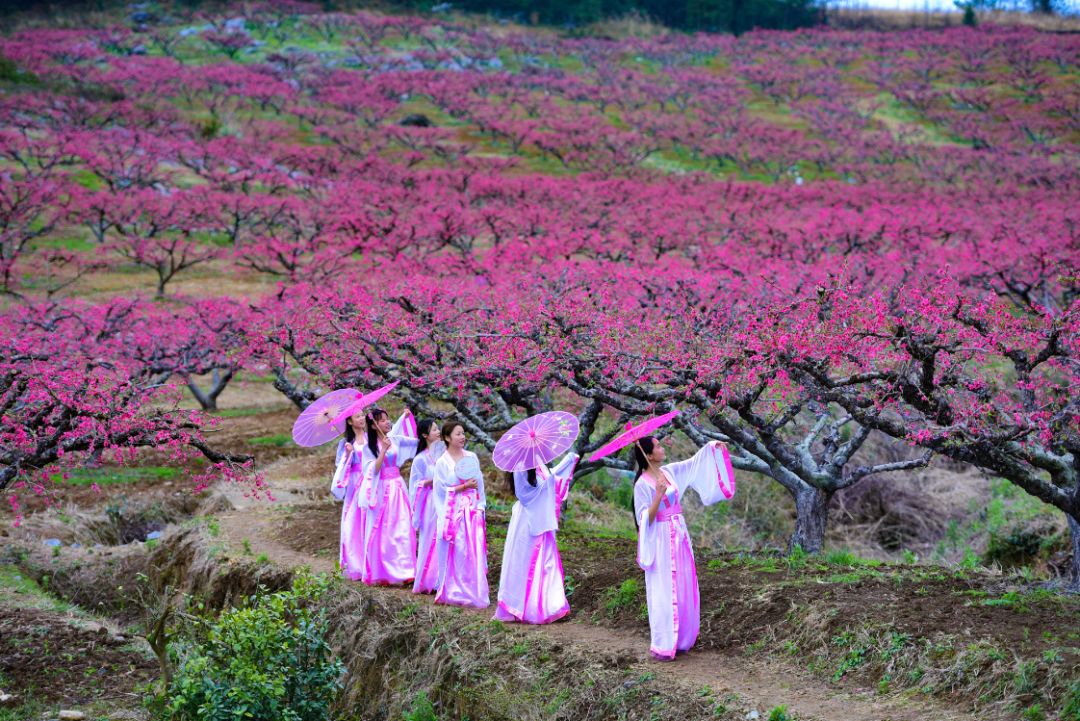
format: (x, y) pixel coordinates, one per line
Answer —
(825, 640)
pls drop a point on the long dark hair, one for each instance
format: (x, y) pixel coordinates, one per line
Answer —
(370, 419)
(510, 481)
(422, 430)
(350, 432)
(641, 448)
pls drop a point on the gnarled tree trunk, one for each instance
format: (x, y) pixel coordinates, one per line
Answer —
(811, 519)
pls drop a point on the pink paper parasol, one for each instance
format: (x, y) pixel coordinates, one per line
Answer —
(318, 422)
(632, 434)
(363, 402)
(537, 439)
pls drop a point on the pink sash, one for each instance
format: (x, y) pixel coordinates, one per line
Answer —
(459, 505)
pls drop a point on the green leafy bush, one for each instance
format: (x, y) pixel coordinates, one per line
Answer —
(422, 709)
(268, 660)
(11, 73)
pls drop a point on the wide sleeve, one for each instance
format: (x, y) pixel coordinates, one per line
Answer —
(539, 503)
(525, 492)
(563, 474)
(370, 483)
(419, 471)
(339, 484)
(405, 435)
(708, 472)
(480, 491)
(443, 480)
(647, 532)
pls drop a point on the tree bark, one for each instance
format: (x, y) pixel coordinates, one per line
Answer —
(300, 398)
(208, 400)
(1074, 563)
(811, 519)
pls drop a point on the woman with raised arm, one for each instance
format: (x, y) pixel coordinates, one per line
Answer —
(421, 477)
(664, 549)
(348, 473)
(461, 536)
(389, 555)
(531, 586)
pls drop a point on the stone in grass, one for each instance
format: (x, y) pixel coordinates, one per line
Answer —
(53, 542)
(416, 120)
(71, 715)
(153, 535)
(7, 697)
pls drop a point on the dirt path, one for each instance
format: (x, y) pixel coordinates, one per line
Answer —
(760, 684)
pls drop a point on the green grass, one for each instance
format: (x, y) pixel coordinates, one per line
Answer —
(29, 709)
(278, 440)
(587, 517)
(893, 114)
(240, 412)
(113, 476)
(1019, 601)
(421, 710)
(87, 179)
(847, 558)
(11, 73)
(625, 595)
(780, 713)
(1003, 526)
(81, 245)
(248, 377)
(18, 589)
(839, 567)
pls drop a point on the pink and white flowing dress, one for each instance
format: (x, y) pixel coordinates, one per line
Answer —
(665, 552)
(347, 476)
(389, 545)
(531, 584)
(461, 538)
(424, 522)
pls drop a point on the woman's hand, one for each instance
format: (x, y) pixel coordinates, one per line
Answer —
(661, 491)
(424, 483)
(662, 484)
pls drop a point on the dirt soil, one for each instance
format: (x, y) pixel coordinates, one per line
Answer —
(47, 657)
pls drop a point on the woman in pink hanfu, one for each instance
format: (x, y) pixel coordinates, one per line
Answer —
(664, 550)
(461, 535)
(389, 555)
(421, 476)
(531, 583)
(347, 476)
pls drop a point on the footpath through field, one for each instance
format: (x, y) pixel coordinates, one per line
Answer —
(759, 683)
